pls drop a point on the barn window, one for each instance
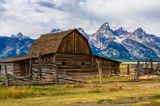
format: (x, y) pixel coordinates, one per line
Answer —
(82, 63)
(63, 63)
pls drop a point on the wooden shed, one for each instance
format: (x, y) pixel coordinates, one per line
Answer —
(66, 52)
(19, 64)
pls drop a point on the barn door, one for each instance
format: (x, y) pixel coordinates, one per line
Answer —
(24, 68)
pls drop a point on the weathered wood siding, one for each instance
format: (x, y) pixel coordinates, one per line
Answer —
(107, 66)
(16, 68)
(24, 67)
(74, 44)
(74, 61)
(83, 63)
(21, 68)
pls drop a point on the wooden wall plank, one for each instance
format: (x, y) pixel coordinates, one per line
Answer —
(74, 43)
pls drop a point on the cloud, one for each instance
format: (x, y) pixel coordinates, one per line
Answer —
(47, 4)
(34, 17)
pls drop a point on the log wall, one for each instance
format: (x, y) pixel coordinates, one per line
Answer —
(81, 63)
(21, 68)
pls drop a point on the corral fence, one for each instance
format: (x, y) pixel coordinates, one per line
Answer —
(129, 71)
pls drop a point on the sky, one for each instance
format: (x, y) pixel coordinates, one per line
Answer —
(36, 17)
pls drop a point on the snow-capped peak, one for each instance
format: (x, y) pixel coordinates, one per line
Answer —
(56, 30)
(19, 35)
(139, 31)
(120, 31)
(83, 33)
(105, 26)
(104, 31)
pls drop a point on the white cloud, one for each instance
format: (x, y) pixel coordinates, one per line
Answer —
(34, 17)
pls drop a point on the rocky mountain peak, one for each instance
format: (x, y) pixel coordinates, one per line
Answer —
(139, 31)
(19, 34)
(105, 26)
(83, 33)
(121, 31)
(105, 30)
(56, 30)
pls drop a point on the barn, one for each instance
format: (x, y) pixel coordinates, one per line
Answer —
(65, 53)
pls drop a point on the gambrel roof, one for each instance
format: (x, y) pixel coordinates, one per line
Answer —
(49, 43)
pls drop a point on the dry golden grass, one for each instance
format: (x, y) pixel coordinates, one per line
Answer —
(112, 93)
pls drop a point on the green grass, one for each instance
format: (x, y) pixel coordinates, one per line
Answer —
(115, 93)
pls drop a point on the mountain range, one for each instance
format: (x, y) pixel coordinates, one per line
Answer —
(15, 45)
(123, 45)
(116, 44)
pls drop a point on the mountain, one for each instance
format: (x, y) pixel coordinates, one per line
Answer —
(15, 45)
(120, 31)
(83, 33)
(104, 40)
(116, 44)
(123, 45)
(56, 30)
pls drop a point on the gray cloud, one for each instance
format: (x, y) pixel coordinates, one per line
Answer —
(46, 3)
(151, 14)
(3, 1)
(2, 8)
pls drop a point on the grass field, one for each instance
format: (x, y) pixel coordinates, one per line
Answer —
(146, 92)
(113, 91)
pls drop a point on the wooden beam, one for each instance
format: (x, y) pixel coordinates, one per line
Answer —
(128, 69)
(0, 70)
(56, 77)
(151, 62)
(99, 72)
(6, 74)
(30, 67)
(137, 70)
(39, 66)
(54, 58)
(56, 71)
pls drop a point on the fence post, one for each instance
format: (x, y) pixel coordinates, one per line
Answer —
(7, 77)
(0, 70)
(99, 71)
(128, 69)
(137, 70)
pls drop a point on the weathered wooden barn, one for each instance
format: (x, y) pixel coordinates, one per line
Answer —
(65, 52)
